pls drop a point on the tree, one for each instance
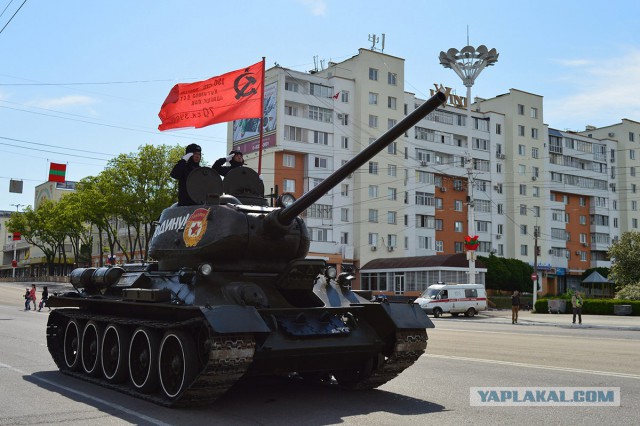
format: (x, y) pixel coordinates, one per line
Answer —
(625, 256)
(507, 274)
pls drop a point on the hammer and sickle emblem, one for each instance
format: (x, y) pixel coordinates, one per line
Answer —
(246, 89)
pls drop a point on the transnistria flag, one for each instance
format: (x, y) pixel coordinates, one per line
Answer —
(57, 172)
(231, 96)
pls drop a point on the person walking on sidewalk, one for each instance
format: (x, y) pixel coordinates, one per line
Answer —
(27, 300)
(515, 307)
(576, 304)
(33, 296)
(44, 298)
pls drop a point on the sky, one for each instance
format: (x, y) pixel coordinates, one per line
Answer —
(83, 81)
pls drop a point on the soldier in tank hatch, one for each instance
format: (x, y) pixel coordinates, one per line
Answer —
(189, 162)
(234, 158)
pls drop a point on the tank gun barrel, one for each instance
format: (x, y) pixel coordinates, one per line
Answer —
(288, 214)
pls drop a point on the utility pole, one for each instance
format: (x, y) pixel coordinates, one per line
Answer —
(471, 218)
(13, 272)
(535, 267)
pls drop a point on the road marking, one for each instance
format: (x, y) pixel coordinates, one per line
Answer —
(561, 336)
(541, 367)
(84, 395)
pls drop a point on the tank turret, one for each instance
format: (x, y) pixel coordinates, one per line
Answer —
(232, 295)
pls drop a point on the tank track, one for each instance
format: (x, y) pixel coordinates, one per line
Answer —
(229, 357)
(408, 347)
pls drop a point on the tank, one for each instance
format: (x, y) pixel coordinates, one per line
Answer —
(232, 294)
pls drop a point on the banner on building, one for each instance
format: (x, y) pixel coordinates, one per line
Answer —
(231, 96)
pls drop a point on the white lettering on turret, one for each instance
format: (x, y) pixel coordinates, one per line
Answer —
(172, 224)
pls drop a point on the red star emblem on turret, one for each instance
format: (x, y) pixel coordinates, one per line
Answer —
(194, 229)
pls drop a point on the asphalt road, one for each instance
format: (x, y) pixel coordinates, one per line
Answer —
(462, 353)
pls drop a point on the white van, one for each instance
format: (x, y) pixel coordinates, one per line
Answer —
(467, 299)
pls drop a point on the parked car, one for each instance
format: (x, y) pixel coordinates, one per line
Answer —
(455, 299)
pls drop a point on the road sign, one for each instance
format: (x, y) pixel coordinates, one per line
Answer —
(534, 277)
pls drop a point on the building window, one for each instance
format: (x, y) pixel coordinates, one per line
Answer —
(520, 109)
(344, 238)
(291, 86)
(344, 214)
(631, 136)
(522, 150)
(534, 133)
(344, 142)
(524, 250)
(373, 98)
(320, 114)
(439, 245)
(391, 218)
(632, 171)
(392, 194)
(534, 112)
(392, 148)
(373, 121)
(632, 154)
(293, 134)
(344, 97)
(289, 185)
(344, 189)
(320, 211)
(523, 209)
(345, 119)
(500, 229)
(520, 130)
(392, 170)
(535, 153)
(288, 160)
(392, 79)
(458, 247)
(291, 110)
(373, 239)
(320, 138)
(392, 103)
(373, 191)
(391, 122)
(320, 163)
(523, 189)
(458, 205)
(458, 227)
(523, 229)
(536, 191)
(373, 215)
(320, 91)
(498, 129)
(373, 74)
(373, 168)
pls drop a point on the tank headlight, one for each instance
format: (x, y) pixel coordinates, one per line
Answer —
(205, 269)
(331, 272)
(285, 200)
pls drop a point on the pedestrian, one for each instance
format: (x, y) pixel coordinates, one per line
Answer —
(188, 163)
(27, 300)
(515, 307)
(234, 158)
(44, 298)
(33, 295)
(576, 304)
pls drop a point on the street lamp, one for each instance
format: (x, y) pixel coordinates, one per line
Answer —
(468, 63)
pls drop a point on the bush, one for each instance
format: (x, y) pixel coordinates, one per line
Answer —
(629, 292)
(592, 306)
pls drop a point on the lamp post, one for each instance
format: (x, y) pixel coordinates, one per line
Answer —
(14, 265)
(468, 63)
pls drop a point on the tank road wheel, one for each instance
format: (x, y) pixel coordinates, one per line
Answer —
(352, 378)
(113, 354)
(178, 362)
(72, 345)
(437, 312)
(470, 312)
(143, 359)
(90, 354)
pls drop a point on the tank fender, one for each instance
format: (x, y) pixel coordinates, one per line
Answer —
(407, 315)
(235, 319)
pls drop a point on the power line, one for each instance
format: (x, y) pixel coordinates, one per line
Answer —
(15, 13)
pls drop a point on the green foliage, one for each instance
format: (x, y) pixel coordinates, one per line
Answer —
(625, 254)
(507, 274)
(593, 306)
(629, 292)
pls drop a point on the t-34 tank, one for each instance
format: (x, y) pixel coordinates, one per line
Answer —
(232, 295)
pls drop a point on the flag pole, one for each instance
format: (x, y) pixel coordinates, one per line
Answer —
(261, 120)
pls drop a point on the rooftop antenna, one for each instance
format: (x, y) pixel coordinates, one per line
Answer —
(373, 39)
(382, 50)
(468, 44)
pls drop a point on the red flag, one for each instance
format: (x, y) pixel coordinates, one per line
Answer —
(57, 172)
(231, 96)
(17, 236)
(336, 95)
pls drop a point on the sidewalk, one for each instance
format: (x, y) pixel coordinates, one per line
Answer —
(612, 322)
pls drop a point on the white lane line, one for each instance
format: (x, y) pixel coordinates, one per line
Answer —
(541, 367)
(523, 333)
(93, 398)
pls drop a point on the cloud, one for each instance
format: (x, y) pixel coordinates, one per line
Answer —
(316, 7)
(65, 101)
(599, 93)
